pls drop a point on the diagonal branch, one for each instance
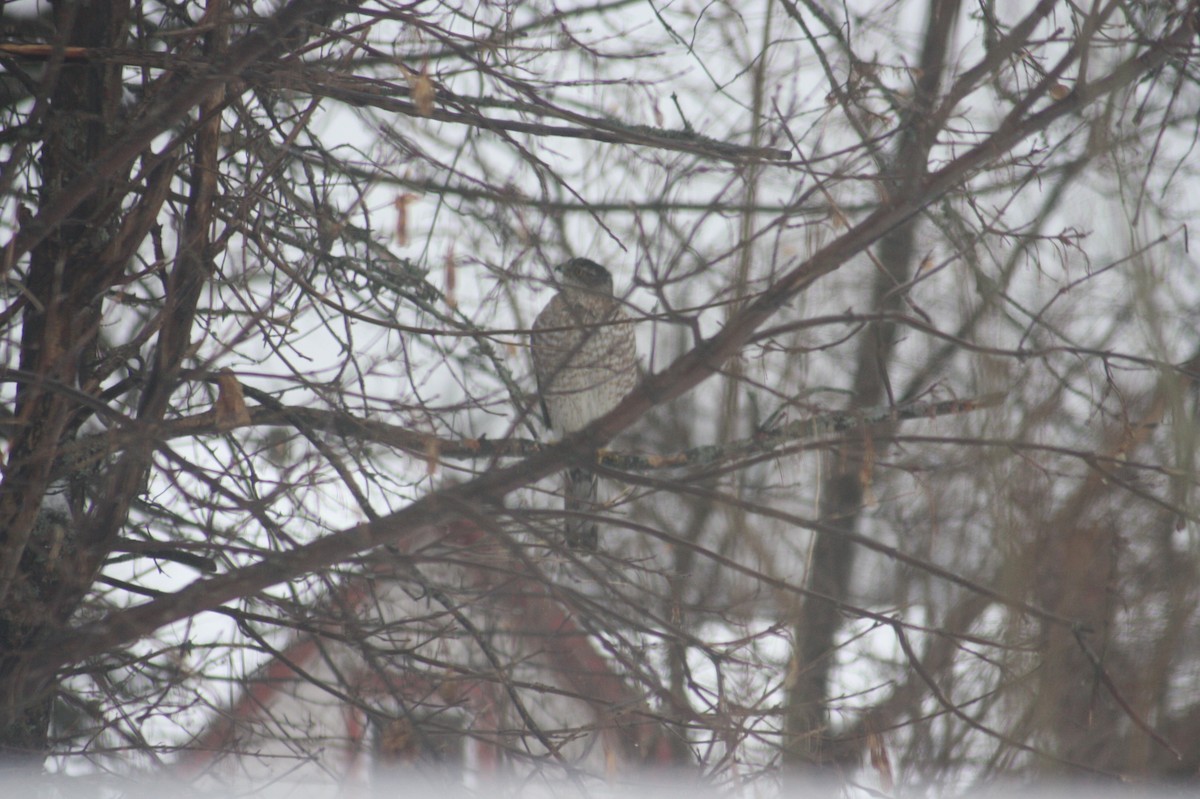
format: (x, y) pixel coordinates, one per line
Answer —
(422, 516)
(178, 101)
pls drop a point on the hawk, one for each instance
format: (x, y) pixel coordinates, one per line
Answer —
(585, 361)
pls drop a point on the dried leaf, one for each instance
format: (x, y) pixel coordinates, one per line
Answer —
(1058, 91)
(793, 673)
(612, 765)
(397, 743)
(880, 761)
(433, 455)
(423, 90)
(402, 202)
(451, 278)
(450, 690)
(230, 409)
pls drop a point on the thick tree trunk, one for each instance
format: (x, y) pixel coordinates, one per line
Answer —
(68, 273)
(817, 622)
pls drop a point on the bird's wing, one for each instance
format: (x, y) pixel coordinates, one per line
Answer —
(537, 369)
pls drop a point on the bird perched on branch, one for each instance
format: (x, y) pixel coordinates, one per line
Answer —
(585, 361)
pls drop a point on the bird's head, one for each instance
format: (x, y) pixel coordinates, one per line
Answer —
(584, 275)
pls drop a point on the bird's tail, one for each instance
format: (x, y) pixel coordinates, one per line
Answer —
(581, 492)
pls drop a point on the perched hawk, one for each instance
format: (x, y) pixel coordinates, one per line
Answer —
(585, 362)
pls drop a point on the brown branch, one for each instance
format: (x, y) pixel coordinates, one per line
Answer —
(185, 283)
(365, 92)
(420, 519)
(1113, 691)
(955, 710)
(767, 441)
(851, 537)
(545, 622)
(85, 452)
(177, 101)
